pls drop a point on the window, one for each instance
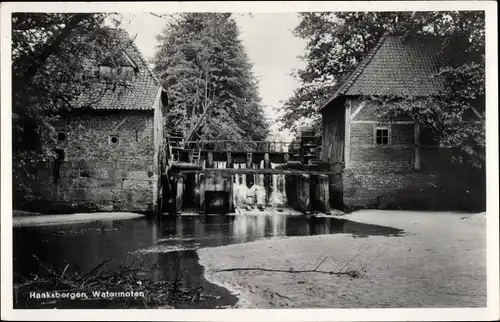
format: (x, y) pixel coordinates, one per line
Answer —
(382, 136)
(113, 140)
(61, 136)
(116, 73)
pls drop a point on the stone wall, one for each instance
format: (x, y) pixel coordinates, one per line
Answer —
(97, 174)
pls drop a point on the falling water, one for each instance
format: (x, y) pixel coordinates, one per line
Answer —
(278, 195)
(220, 164)
(240, 189)
(243, 195)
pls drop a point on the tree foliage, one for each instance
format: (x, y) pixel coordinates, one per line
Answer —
(54, 59)
(336, 43)
(212, 92)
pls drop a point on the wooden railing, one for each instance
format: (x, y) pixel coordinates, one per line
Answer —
(238, 146)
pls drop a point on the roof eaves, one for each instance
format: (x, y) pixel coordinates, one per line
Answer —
(344, 87)
(150, 71)
(130, 60)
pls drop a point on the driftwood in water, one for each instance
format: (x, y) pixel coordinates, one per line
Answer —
(349, 273)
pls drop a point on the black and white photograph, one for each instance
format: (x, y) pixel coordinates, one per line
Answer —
(162, 159)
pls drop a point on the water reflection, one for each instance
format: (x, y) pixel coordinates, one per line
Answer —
(165, 243)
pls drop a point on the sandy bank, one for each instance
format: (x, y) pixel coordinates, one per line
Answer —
(440, 262)
(19, 221)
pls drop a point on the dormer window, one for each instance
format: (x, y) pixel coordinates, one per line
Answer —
(116, 73)
(121, 67)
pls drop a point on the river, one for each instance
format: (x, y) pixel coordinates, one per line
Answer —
(166, 243)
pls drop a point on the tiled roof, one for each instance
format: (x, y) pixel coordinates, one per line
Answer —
(397, 67)
(136, 94)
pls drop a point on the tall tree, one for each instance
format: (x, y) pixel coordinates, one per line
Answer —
(336, 43)
(213, 93)
(54, 59)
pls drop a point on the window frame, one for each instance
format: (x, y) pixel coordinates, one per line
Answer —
(382, 128)
(63, 141)
(110, 137)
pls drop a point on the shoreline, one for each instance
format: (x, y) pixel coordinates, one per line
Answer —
(439, 262)
(50, 220)
(243, 297)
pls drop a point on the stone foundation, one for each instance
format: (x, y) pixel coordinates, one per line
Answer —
(98, 186)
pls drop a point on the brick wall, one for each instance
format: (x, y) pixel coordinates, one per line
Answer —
(385, 176)
(385, 189)
(368, 112)
(365, 154)
(98, 175)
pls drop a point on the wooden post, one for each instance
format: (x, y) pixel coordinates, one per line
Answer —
(305, 193)
(202, 193)
(323, 193)
(229, 163)
(249, 160)
(347, 134)
(229, 181)
(267, 177)
(210, 159)
(417, 145)
(180, 193)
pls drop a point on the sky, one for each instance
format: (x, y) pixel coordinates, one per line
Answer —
(270, 45)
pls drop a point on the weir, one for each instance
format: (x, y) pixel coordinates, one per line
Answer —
(261, 177)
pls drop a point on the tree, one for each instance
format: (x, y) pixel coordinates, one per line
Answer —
(54, 59)
(207, 74)
(336, 43)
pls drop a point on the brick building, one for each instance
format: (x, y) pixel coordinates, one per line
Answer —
(111, 148)
(396, 165)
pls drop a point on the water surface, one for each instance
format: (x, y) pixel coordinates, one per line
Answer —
(167, 243)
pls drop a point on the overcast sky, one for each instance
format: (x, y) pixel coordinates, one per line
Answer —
(269, 43)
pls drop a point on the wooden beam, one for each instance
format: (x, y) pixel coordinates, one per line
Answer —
(267, 164)
(267, 177)
(202, 192)
(259, 171)
(249, 160)
(360, 107)
(347, 136)
(304, 188)
(477, 112)
(231, 197)
(321, 195)
(180, 194)
(417, 145)
(229, 163)
(210, 160)
(376, 122)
